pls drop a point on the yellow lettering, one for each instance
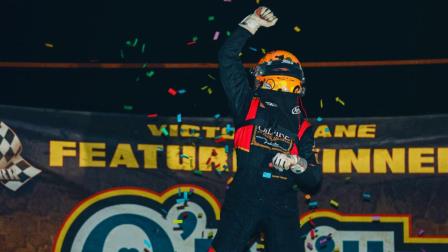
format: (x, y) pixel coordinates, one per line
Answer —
(59, 150)
(210, 132)
(348, 158)
(87, 153)
(442, 157)
(206, 159)
(366, 131)
(154, 130)
(149, 154)
(234, 162)
(188, 130)
(418, 157)
(342, 130)
(383, 159)
(328, 160)
(175, 162)
(174, 130)
(124, 156)
(322, 131)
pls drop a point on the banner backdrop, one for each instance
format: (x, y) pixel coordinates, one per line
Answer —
(76, 181)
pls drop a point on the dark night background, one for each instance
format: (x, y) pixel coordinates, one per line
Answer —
(96, 31)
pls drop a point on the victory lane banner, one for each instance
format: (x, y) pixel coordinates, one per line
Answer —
(79, 181)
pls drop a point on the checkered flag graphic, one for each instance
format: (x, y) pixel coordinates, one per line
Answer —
(14, 170)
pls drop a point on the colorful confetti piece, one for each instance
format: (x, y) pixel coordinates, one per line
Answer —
(340, 101)
(128, 107)
(297, 29)
(150, 74)
(172, 92)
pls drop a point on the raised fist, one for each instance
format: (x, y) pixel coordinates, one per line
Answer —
(262, 16)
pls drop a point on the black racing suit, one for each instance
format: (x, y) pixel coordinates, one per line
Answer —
(262, 198)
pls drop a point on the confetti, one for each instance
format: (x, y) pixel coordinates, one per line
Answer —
(228, 33)
(312, 233)
(164, 131)
(253, 49)
(334, 203)
(211, 77)
(135, 42)
(229, 129)
(421, 232)
(181, 91)
(312, 204)
(143, 48)
(150, 74)
(145, 65)
(198, 173)
(179, 118)
(220, 140)
(49, 45)
(257, 1)
(229, 180)
(211, 18)
(321, 103)
(172, 91)
(191, 43)
(226, 149)
(128, 107)
(209, 91)
(366, 196)
(216, 35)
(122, 54)
(340, 101)
(267, 175)
(217, 116)
(263, 50)
(260, 247)
(204, 87)
(178, 221)
(152, 115)
(195, 38)
(307, 196)
(319, 119)
(297, 29)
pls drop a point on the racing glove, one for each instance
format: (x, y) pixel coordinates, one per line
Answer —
(294, 163)
(262, 16)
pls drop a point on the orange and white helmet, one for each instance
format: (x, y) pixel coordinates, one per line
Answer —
(280, 71)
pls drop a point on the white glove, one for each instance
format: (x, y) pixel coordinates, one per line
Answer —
(262, 16)
(285, 162)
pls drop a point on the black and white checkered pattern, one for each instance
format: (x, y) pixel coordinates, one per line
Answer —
(14, 170)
